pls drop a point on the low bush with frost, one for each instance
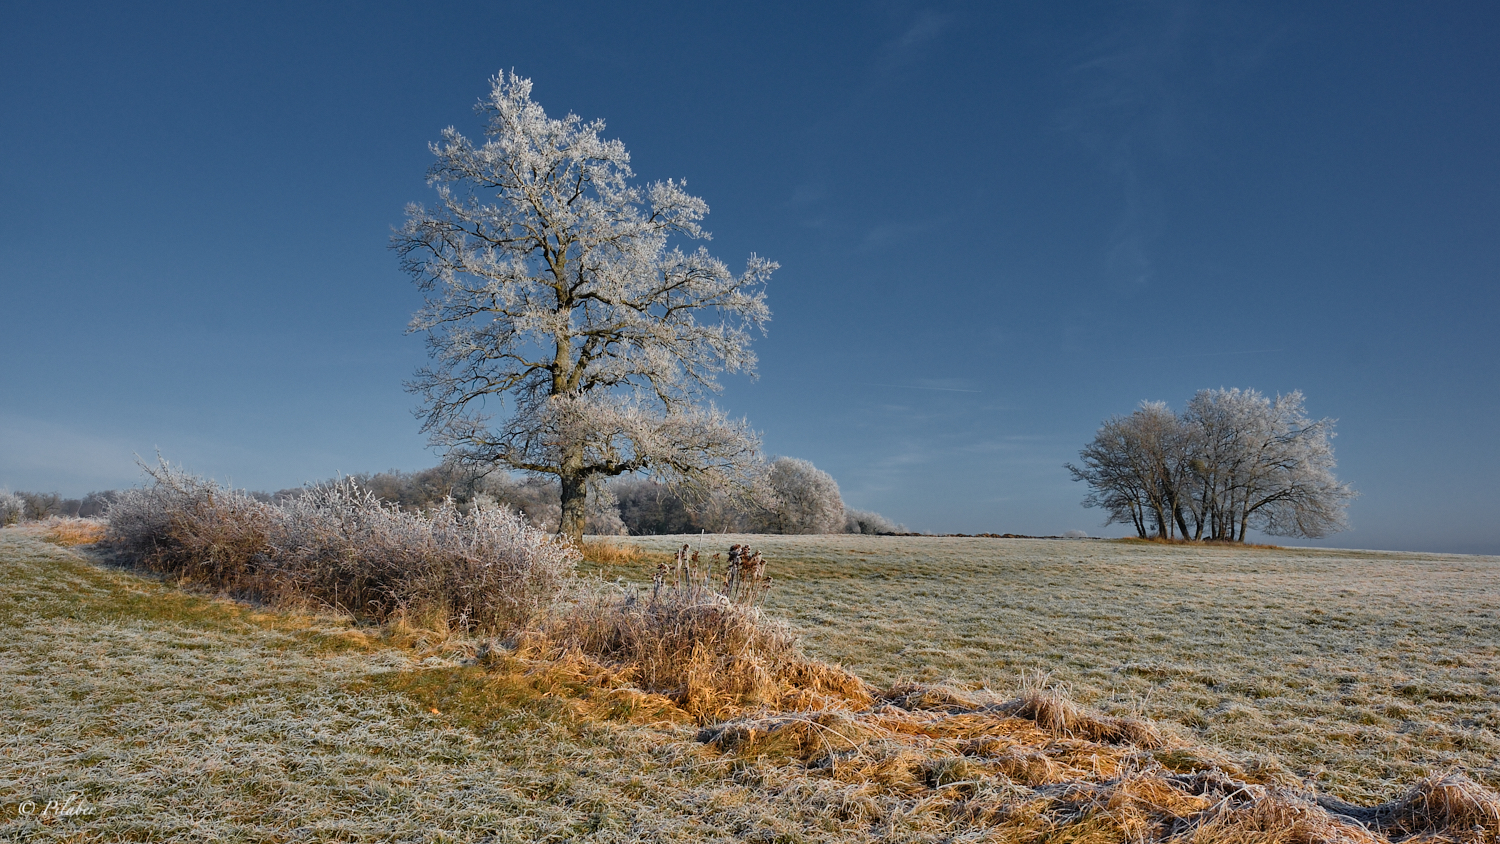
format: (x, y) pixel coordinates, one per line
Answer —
(12, 508)
(485, 570)
(867, 522)
(194, 529)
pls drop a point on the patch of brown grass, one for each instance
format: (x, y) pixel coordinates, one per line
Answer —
(1054, 712)
(70, 531)
(1023, 770)
(1451, 805)
(489, 681)
(604, 552)
(711, 656)
(1251, 814)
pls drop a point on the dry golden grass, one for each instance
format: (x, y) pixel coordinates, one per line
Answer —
(1357, 673)
(605, 552)
(984, 769)
(65, 531)
(711, 657)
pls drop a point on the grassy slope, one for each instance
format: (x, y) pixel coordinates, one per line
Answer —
(1362, 671)
(181, 718)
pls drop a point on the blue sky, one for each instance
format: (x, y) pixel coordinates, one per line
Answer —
(998, 224)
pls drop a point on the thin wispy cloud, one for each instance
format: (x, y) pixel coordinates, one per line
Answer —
(807, 194)
(918, 36)
(1126, 113)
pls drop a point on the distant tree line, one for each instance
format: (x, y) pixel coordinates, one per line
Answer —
(31, 506)
(1232, 461)
(792, 496)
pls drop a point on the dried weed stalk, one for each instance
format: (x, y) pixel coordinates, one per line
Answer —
(703, 640)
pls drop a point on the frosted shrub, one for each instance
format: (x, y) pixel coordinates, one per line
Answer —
(339, 545)
(483, 569)
(12, 508)
(698, 636)
(194, 529)
(865, 521)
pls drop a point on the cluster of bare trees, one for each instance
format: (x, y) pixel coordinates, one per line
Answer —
(1233, 460)
(24, 506)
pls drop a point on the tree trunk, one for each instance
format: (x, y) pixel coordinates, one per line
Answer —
(575, 495)
(575, 492)
(1181, 520)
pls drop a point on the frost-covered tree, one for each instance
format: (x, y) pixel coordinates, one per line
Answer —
(804, 499)
(1233, 460)
(553, 284)
(1263, 463)
(1135, 467)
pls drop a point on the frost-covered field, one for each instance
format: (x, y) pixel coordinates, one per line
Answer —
(1359, 670)
(131, 711)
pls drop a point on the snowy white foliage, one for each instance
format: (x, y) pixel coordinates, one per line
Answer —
(339, 545)
(12, 508)
(865, 521)
(1233, 460)
(486, 565)
(806, 499)
(788, 496)
(1265, 462)
(552, 281)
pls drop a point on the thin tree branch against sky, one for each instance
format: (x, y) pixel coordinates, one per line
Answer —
(1018, 219)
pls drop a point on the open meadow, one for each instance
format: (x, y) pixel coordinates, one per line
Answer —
(139, 707)
(1360, 671)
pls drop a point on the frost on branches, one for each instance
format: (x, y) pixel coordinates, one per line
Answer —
(553, 281)
(1232, 461)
